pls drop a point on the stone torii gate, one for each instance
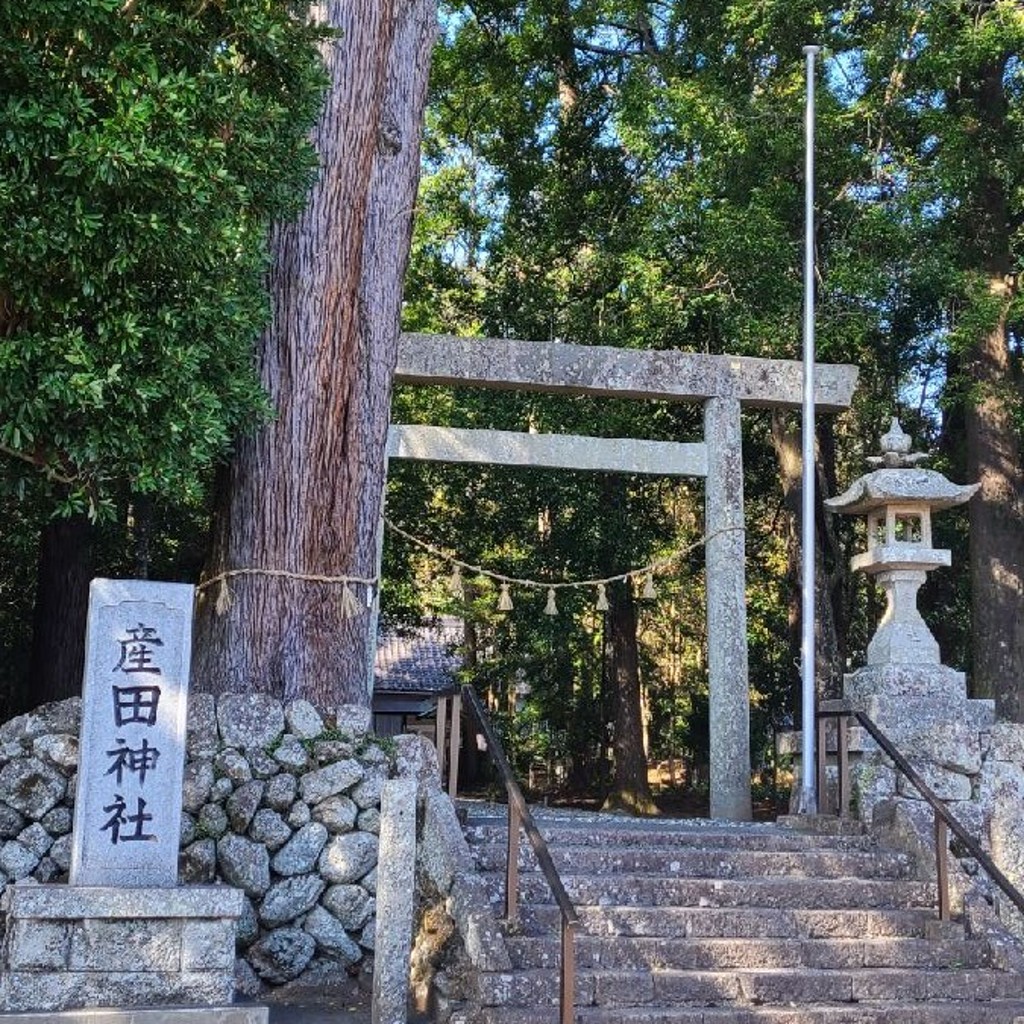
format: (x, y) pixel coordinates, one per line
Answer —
(724, 384)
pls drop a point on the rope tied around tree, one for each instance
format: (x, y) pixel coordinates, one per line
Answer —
(350, 604)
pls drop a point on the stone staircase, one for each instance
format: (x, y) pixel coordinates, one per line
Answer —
(698, 922)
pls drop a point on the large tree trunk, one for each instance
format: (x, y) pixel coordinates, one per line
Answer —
(996, 523)
(992, 443)
(58, 622)
(630, 790)
(304, 494)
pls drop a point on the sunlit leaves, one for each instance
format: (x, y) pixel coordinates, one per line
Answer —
(143, 151)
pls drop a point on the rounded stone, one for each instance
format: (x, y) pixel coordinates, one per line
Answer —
(212, 821)
(353, 719)
(269, 829)
(262, 764)
(197, 863)
(243, 804)
(321, 783)
(338, 813)
(303, 720)
(11, 821)
(62, 716)
(248, 929)
(36, 839)
(280, 792)
(300, 853)
(32, 787)
(196, 782)
(373, 754)
(201, 728)
(46, 870)
(331, 937)
(369, 821)
(60, 852)
(282, 955)
(231, 764)
(369, 881)
(368, 936)
(59, 749)
(187, 832)
(299, 814)
(289, 899)
(221, 789)
(416, 758)
(367, 793)
(17, 861)
(348, 858)
(352, 905)
(57, 821)
(328, 751)
(247, 982)
(249, 720)
(244, 864)
(291, 753)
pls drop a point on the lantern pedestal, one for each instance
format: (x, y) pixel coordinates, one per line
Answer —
(902, 637)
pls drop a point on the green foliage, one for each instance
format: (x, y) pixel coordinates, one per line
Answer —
(628, 173)
(144, 149)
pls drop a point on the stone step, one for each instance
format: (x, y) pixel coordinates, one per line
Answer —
(996, 1012)
(652, 891)
(740, 922)
(695, 954)
(779, 987)
(673, 835)
(697, 863)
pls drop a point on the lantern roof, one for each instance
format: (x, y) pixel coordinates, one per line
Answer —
(900, 481)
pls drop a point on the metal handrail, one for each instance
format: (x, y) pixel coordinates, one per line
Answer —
(945, 820)
(519, 815)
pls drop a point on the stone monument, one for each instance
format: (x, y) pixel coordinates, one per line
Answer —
(128, 803)
(122, 933)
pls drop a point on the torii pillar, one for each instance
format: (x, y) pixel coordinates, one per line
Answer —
(726, 584)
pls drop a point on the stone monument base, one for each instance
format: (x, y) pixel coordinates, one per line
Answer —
(71, 947)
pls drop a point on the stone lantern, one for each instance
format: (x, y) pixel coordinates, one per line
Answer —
(898, 499)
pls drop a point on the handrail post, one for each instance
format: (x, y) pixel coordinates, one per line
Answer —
(822, 756)
(456, 743)
(942, 866)
(441, 734)
(568, 991)
(843, 759)
(512, 863)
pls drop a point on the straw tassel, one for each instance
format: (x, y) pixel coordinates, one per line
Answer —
(649, 593)
(551, 608)
(223, 603)
(602, 597)
(350, 606)
(504, 599)
(456, 587)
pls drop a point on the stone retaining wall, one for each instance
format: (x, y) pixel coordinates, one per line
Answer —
(281, 801)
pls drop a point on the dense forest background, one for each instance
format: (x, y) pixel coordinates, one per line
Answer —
(629, 173)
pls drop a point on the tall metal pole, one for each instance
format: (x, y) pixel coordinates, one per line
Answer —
(808, 798)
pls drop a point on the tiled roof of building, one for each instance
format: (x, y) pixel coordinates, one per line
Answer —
(422, 661)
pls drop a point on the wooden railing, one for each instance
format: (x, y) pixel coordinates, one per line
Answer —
(519, 818)
(945, 821)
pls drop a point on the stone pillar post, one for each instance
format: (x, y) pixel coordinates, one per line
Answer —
(728, 687)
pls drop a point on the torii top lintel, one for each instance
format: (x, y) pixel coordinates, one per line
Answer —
(668, 375)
